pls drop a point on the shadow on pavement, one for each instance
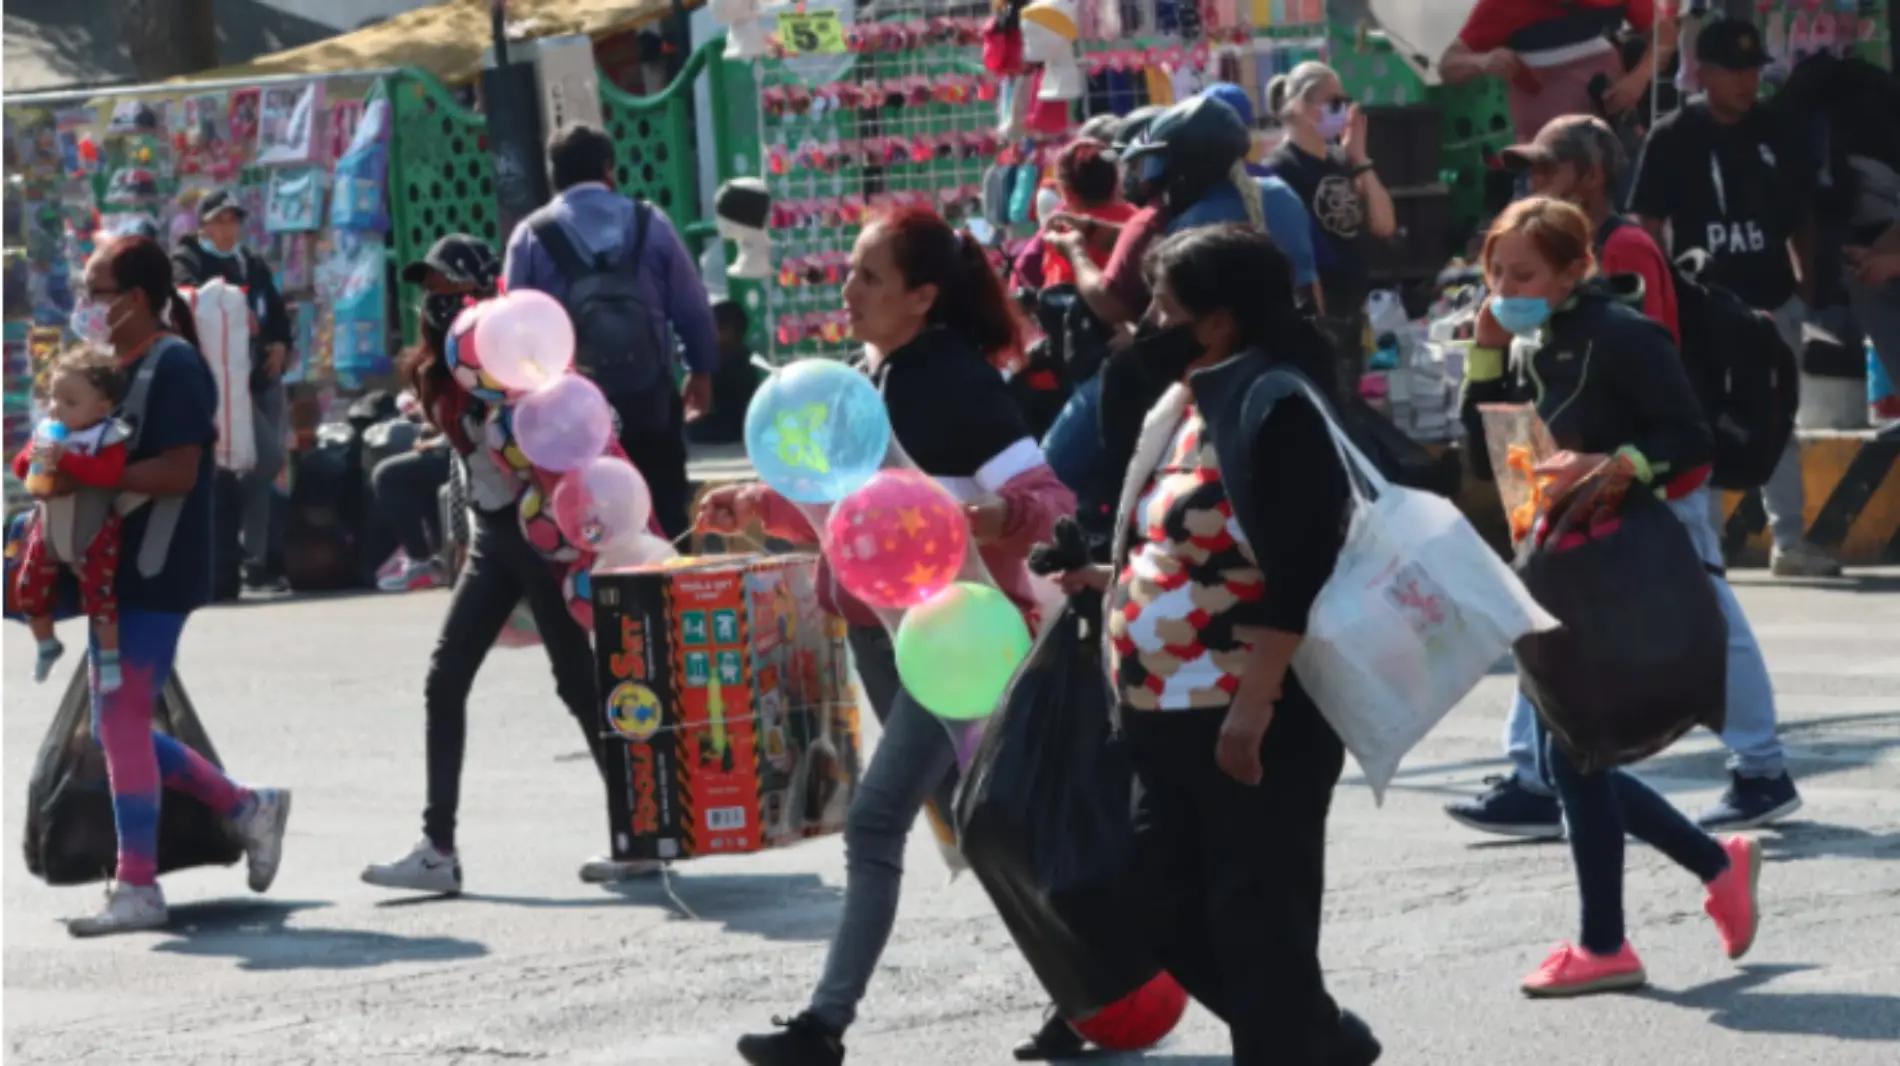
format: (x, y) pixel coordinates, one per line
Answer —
(257, 934)
(789, 906)
(1737, 1006)
(1793, 841)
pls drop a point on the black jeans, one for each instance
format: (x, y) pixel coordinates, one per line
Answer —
(1236, 873)
(658, 451)
(1598, 809)
(408, 495)
(502, 569)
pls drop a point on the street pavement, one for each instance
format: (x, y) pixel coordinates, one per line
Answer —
(1428, 926)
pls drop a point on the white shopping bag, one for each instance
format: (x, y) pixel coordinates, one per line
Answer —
(1418, 610)
(223, 318)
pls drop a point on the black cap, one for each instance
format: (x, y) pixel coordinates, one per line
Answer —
(743, 201)
(217, 202)
(1584, 140)
(460, 258)
(1731, 44)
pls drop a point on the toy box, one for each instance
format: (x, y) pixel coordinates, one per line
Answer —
(728, 704)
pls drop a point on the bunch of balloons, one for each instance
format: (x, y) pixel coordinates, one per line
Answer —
(818, 434)
(585, 506)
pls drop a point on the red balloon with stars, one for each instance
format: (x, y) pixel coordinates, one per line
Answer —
(897, 541)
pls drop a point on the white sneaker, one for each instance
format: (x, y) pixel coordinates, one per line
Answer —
(129, 908)
(1803, 559)
(601, 870)
(422, 870)
(261, 827)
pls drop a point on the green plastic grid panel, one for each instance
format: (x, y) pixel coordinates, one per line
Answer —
(439, 175)
(654, 135)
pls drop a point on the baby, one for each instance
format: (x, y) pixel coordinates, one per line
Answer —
(79, 529)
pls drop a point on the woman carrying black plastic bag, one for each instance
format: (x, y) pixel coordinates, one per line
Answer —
(1230, 522)
(1606, 381)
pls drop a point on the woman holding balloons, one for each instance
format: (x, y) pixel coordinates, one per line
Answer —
(934, 320)
(519, 550)
(1232, 519)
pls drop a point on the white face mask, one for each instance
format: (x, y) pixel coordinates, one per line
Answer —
(1332, 121)
(92, 321)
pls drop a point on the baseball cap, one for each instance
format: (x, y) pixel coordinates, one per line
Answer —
(217, 202)
(1584, 140)
(459, 257)
(1732, 44)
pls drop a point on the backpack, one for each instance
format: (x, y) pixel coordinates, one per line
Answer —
(1744, 373)
(613, 326)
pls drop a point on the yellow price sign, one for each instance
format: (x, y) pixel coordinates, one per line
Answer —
(811, 33)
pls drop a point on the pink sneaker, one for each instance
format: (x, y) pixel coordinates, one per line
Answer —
(1572, 971)
(1732, 896)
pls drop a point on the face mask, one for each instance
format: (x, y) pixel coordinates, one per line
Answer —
(1166, 354)
(212, 249)
(1522, 315)
(440, 310)
(92, 321)
(1332, 122)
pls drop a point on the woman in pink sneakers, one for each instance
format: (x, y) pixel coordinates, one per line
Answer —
(1627, 394)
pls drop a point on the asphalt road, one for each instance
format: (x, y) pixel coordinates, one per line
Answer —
(1429, 927)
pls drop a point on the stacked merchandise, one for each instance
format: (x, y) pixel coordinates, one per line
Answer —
(1792, 30)
(1417, 372)
(19, 415)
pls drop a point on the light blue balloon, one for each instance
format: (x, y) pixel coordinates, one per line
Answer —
(816, 431)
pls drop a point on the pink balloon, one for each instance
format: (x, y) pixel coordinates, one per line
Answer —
(897, 541)
(526, 339)
(564, 424)
(601, 503)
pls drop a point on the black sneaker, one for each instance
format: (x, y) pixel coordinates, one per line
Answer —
(1509, 809)
(1055, 1041)
(800, 1041)
(1357, 1046)
(1751, 802)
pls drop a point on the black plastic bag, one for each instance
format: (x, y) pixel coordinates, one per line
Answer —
(70, 838)
(1043, 819)
(1642, 655)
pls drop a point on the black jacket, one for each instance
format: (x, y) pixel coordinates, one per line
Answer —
(1603, 376)
(192, 265)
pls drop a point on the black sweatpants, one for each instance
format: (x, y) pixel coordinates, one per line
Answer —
(502, 570)
(658, 451)
(1236, 873)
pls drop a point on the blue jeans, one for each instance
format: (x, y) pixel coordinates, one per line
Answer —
(1073, 445)
(1754, 749)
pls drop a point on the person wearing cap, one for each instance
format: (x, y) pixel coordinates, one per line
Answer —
(1729, 177)
(1577, 159)
(592, 234)
(1550, 53)
(217, 250)
(407, 486)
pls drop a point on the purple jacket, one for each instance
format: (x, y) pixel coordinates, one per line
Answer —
(599, 220)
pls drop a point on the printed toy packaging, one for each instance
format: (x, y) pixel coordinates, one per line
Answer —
(728, 706)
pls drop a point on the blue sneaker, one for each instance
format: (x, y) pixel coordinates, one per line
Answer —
(1751, 802)
(1511, 810)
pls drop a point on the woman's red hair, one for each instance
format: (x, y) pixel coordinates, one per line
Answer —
(970, 296)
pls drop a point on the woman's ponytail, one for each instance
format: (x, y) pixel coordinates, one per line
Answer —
(1251, 197)
(970, 296)
(1276, 96)
(181, 318)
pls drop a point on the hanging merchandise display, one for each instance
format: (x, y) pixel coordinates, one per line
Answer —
(963, 114)
(140, 161)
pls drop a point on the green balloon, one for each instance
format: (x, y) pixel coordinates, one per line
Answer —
(958, 650)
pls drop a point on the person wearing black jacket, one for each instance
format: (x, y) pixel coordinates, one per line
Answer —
(216, 250)
(1230, 522)
(1606, 381)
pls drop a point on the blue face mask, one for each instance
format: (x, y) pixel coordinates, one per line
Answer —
(1522, 315)
(212, 249)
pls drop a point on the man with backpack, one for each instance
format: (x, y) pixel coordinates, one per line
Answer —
(1580, 159)
(631, 287)
(1725, 176)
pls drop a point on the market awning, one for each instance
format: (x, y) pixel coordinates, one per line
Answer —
(448, 39)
